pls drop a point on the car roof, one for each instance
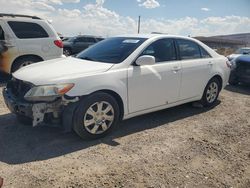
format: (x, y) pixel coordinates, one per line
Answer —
(148, 36)
(88, 36)
(4, 16)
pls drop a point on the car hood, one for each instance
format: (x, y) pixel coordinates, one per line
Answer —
(53, 71)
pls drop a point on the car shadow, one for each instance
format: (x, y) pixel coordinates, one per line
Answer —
(21, 144)
(241, 88)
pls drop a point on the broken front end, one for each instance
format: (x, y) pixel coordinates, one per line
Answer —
(41, 104)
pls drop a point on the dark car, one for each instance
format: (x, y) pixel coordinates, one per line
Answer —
(77, 44)
(240, 70)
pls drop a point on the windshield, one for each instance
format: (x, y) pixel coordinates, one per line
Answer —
(243, 51)
(112, 50)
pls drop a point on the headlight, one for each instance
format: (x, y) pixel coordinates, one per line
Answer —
(47, 92)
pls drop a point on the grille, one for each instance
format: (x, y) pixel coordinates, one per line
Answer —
(18, 88)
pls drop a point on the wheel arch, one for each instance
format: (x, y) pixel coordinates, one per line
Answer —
(117, 97)
(23, 57)
(219, 78)
(67, 47)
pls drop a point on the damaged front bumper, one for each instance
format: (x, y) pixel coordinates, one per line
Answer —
(35, 111)
(15, 106)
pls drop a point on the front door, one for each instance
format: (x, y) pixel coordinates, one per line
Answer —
(151, 86)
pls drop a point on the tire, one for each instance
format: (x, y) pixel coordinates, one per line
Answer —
(93, 123)
(211, 93)
(67, 51)
(24, 62)
(24, 120)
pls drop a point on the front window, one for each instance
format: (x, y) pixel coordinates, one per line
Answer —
(112, 50)
(163, 50)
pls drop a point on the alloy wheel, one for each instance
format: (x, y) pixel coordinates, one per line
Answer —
(212, 92)
(99, 117)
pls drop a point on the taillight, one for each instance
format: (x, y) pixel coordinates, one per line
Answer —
(229, 65)
(58, 43)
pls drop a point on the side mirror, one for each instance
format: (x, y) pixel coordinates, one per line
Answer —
(145, 60)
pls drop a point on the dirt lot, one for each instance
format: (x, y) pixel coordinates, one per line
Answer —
(178, 147)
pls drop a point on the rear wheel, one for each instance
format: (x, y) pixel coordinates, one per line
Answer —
(211, 93)
(67, 52)
(25, 61)
(96, 116)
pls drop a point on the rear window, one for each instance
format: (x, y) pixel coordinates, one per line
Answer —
(27, 30)
(204, 53)
(188, 49)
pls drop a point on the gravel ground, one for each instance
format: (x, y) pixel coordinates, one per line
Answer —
(178, 147)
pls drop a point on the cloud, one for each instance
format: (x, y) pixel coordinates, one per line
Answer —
(149, 3)
(69, 13)
(205, 9)
(59, 2)
(42, 6)
(96, 19)
(71, 1)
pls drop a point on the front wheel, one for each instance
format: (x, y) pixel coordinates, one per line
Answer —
(96, 116)
(211, 93)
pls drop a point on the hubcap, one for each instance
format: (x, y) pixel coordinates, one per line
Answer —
(25, 63)
(212, 92)
(99, 117)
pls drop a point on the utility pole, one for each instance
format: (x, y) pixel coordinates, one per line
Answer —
(139, 24)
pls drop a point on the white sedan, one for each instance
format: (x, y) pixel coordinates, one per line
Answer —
(118, 78)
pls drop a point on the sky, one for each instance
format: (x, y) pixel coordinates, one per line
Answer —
(115, 17)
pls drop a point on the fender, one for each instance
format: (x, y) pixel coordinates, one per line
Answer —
(102, 81)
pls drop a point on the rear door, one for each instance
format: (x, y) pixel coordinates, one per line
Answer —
(196, 68)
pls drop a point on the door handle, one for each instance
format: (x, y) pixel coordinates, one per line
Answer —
(210, 63)
(176, 68)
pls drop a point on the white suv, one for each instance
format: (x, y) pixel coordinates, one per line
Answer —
(25, 40)
(117, 78)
